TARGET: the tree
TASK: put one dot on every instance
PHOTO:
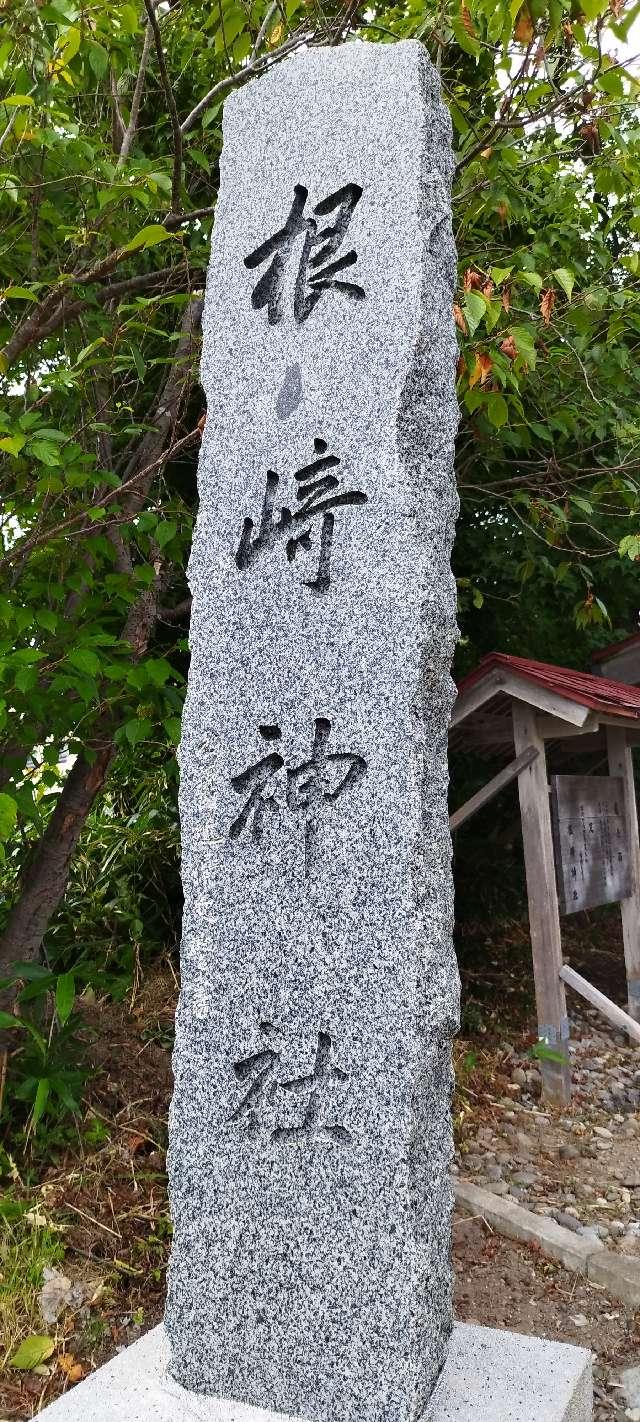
(110, 139)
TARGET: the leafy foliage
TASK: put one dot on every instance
(110, 138)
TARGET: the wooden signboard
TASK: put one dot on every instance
(593, 862)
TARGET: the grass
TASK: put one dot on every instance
(26, 1248)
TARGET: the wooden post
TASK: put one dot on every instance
(621, 763)
(544, 916)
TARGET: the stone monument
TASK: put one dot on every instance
(310, 1130)
(310, 1127)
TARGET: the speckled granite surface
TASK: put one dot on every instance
(310, 1127)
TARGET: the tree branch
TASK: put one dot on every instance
(248, 71)
(129, 132)
(262, 31)
(54, 309)
(176, 183)
(168, 407)
(175, 614)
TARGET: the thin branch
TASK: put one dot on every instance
(174, 277)
(7, 132)
(248, 71)
(262, 31)
(177, 219)
(118, 121)
(136, 100)
(21, 550)
(171, 103)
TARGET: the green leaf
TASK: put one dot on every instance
(532, 279)
(13, 444)
(17, 293)
(498, 410)
(148, 237)
(158, 670)
(71, 45)
(33, 1351)
(98, 59)
(65, 996)
(629, 546)
(139, 362)
(524, 337)
(172, 728)
(8, 816)
(17, 101)
(84, 661)
(41, 1098)
(566, 280)
(129, 18)
(165, 532)
(45, 452)
(136, 731)
(474, 307)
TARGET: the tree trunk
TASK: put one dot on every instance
(46, 873)
(45, 876)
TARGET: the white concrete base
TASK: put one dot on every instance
(490, 1376)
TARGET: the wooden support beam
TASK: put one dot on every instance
(553, 729)
(621, 763)
(598, 999)
(544, 916)
(492, 787)
(530, 692)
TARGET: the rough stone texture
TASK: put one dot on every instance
(310, 1129)
(489, 1376)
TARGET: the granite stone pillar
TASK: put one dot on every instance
(310, 1127)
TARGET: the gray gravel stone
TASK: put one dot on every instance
(310, 1127)
(568, 1221)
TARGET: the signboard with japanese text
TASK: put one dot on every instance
(593, 864)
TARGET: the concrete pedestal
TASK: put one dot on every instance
(492, 1375)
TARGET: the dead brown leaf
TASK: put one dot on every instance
(481, 370)
(467, 22)
(459, 318)
(523, 31)
(506, 298)
(509, 348)
(472, 281)
(134, 1142)
(547, 303)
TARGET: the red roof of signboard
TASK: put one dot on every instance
(614, 698)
